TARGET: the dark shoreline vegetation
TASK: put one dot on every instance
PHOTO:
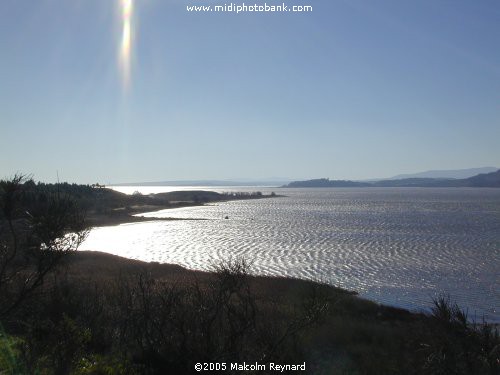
(69, 312)
(103, 206)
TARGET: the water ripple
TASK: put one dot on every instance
(396, 246)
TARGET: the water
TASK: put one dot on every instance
(399, 246)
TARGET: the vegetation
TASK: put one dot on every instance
(67, 312)
(37, 229)
(103, 206)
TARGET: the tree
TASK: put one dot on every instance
(37, 229)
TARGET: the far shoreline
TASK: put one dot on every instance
(129, 214)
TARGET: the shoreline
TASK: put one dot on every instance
(113, 265)
(131, 214)
(108, 221)
(108, 266)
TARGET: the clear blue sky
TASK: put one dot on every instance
(356, 89)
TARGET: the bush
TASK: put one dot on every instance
(37, 229)
(455, 345)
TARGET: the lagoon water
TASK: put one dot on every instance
(399, 246)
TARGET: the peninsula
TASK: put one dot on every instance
(104, 206)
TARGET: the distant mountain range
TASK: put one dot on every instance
(445, 178)
(454, 173)
(481, 180)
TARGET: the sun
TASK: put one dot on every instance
(127, 8)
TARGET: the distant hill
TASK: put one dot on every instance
(454, 173)
(416, 182)
(481, 180)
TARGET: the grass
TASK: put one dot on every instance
(101, 314)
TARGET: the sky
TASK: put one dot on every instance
(355, 89)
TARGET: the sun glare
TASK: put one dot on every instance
(127, 8)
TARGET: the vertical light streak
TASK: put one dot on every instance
(127, 8)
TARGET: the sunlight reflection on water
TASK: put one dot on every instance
(397, 246)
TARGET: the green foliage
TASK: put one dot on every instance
(105, 365)
(10, 361)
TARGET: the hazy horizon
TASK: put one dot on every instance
(253, 181)
(144, 90)
(242, 180)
